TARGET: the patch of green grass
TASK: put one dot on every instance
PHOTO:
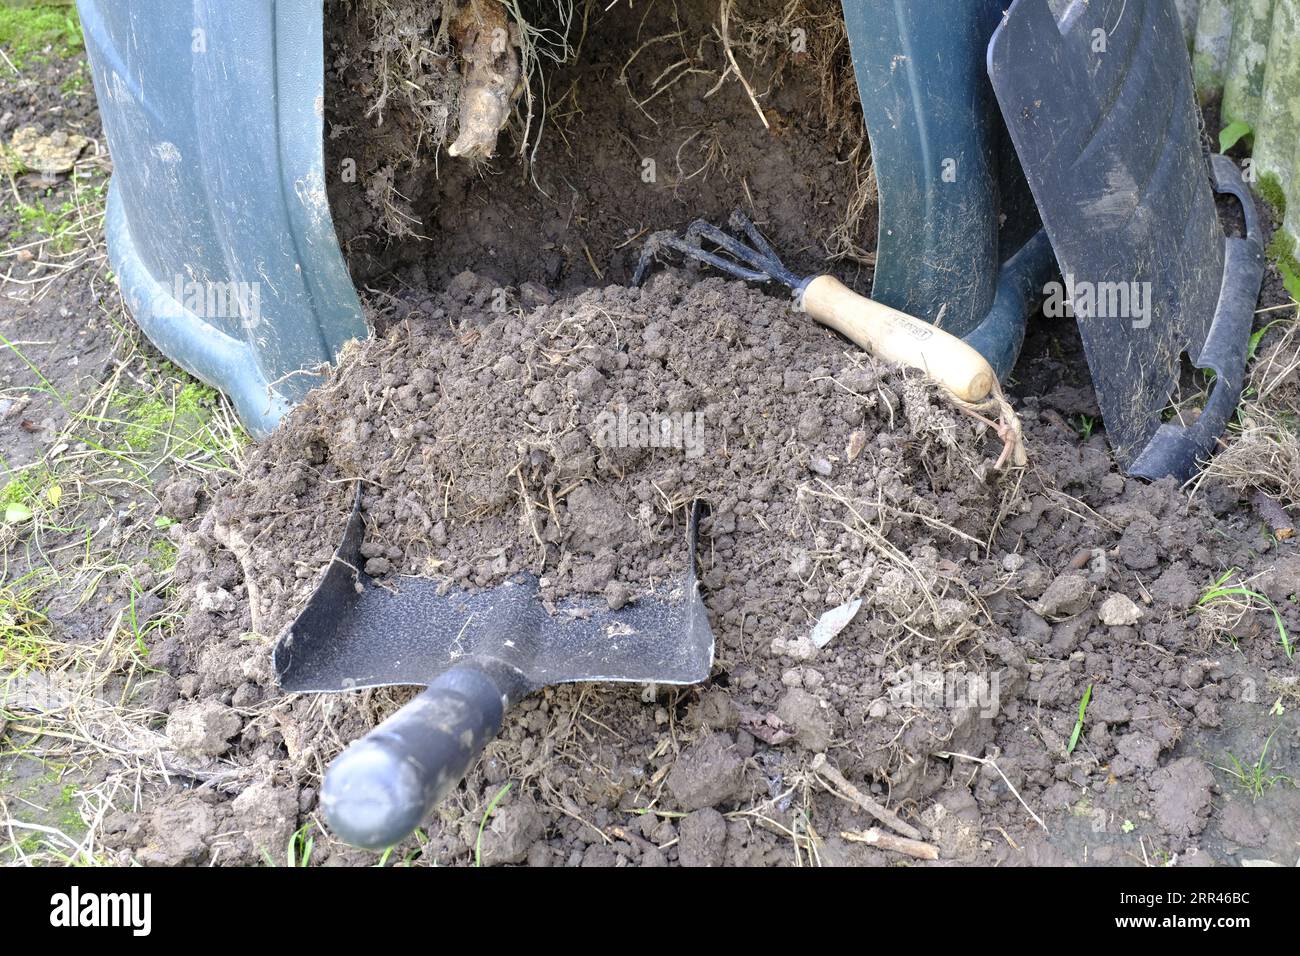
(162, 556)
(409, 860)
(140, 630)
(1084, 425)
(32, 494)
(15, 492)
(298, 852)
(24, 628)
(167, 418)
(154, 418)
(482, 824)
(29, 486)
(76, 82)
(59, 223)
(45, 386)
(1221, 592)
(1078, 724)
(1256, 778)
(69, 816)
(32, 32)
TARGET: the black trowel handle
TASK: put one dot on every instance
(379, 789)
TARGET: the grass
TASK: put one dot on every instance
(1257, 778)
(1263, 452)
(141, 629)
(482, 824)
(152, 419)
(175, 417)
(162, 556)
(32, 33)
(299, 849)
(386, 858)
(1222, 594)
(1084, 425)
(48, 787)
(60, 224)
(94, 521)
(76, 82)
(1078, 724)
(24, 627)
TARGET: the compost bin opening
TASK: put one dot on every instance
(626, 121)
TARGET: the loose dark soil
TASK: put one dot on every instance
(570, 440)
(606, 170)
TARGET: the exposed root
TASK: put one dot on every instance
(724, 21)
(491, 81)
(996, 412)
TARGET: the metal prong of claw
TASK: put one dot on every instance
(757, 263)
(653, 244)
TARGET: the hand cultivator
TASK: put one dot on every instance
(965, 375)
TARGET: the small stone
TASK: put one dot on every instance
(801, 564)
(202, 729)
(179, 498)
(617, 594)
(212, 599)
(1118, 610)
(51, 155)
(1067, 595)
(813, 724)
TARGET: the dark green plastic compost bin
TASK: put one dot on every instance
(218, 226)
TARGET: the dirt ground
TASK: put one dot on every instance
(1002, 614)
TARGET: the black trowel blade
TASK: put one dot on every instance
(357, 632)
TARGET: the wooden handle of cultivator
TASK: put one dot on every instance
(899, 337)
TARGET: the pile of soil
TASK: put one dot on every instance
(571, 439)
